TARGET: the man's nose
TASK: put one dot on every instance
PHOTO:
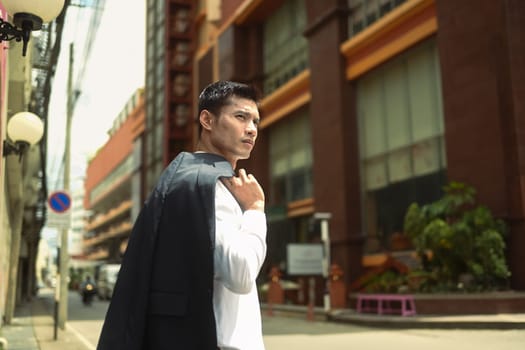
(251, 129)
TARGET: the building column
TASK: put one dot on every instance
(483, 79)
(334, 133)
(513, 115)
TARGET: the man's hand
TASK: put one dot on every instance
(246, 190)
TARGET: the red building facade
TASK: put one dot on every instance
(371, 105)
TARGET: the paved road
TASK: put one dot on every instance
(283, 333)
(287, 334)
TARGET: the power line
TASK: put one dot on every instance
(94, 9)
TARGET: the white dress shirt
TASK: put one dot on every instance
(240, 249)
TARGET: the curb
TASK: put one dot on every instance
(495, 322)
(485, 321)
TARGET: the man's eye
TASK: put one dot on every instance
(240, 116)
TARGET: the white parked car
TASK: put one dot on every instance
(107, 276)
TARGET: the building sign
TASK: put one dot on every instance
(305, 259)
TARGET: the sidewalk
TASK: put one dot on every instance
(496, 321)
(32, 328)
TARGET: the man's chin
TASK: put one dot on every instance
(244, 155)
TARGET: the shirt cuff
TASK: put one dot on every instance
(254, 221)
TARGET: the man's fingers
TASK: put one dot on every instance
(242, 178)
(242, 174)
(246, 190)
(246, 177)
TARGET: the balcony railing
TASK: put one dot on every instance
(114, 231)
(98, 255)
(111, 214)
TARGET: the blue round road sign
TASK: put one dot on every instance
(59, 202)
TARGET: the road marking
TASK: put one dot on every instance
(81, 337)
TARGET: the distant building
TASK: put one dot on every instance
(76, 232)
(108, 186)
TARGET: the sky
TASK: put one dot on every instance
(114, 70)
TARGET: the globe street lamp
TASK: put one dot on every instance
(24, 129)
(28, 15)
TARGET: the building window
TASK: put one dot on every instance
(285, 49)
(160, 41)
(159, 73)
(160, 9)
(151, 50)
(159, 140)
(401, 136)
(291, 159)
(363, 13)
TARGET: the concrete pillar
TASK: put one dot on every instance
(333, 121)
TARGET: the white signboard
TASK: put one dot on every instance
(58, 220)
(305, 259)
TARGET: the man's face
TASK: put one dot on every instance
(233, 133)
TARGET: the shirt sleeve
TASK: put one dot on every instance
(240, 242)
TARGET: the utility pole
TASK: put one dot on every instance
(64, 257)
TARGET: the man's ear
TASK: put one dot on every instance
(206, 119)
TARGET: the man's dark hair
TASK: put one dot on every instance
(218, 94)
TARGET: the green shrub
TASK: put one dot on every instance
(454, 237)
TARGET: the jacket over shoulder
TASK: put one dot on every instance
(164, 292)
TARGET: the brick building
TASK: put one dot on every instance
(370, 105)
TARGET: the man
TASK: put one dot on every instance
(187, 279)
(88, 290)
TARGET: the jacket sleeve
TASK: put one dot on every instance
(240, 242)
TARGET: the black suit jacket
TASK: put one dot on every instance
(163, 298)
